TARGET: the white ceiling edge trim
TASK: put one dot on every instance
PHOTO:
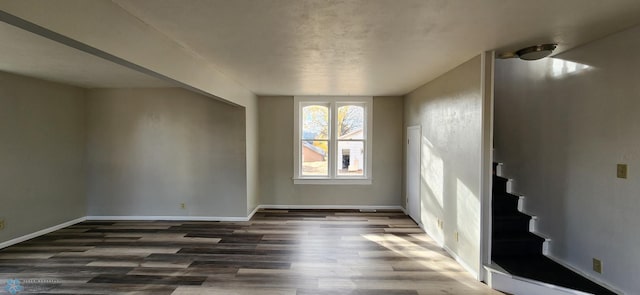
(105, 29)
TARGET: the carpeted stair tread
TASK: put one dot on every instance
(508, 225)
(507, 196)
(519, 236)
(499, 184)
(504, 212)
(511, 216)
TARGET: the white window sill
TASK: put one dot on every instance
(325, 181)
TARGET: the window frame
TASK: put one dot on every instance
(334, 102)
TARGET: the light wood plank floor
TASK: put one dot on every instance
(285, 252)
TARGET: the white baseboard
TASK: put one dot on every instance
(234, 218)
(40, 232)
(336, 207)
(500, 280)
(584, 274)
(253, 212)
(189, 218)
(435, 238)
(468, 268)
(455, 256)
(171, 218)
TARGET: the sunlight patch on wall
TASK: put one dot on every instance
(468, 218)
(432, 171)
(560, 68)
(429, 221)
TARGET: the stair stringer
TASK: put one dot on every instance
(499, 279)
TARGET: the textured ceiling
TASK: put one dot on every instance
(368, 47)
(27, 54)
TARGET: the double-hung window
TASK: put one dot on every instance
(332, 140)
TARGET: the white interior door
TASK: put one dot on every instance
(413, 173)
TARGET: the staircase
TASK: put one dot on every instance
(520, 252)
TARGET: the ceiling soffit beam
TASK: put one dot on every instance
(104, 29)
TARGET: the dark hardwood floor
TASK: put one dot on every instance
(277, 252)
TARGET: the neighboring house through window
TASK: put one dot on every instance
(332, 140)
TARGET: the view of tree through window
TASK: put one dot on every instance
(315, 140)
(350, 119)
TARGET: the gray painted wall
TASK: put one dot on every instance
(276, 159)
(149, 150)
(449, 109)
(42, 134)
(560, 131)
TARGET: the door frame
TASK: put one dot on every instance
(418, 220)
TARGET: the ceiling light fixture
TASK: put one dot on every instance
(535, 52)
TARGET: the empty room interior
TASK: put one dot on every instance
(365, 147)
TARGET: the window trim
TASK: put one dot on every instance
(334, 102)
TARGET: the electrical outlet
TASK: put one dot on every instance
(457, 237)
(597, 265)
(183, 206)
(1, 224)
(622, 171)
